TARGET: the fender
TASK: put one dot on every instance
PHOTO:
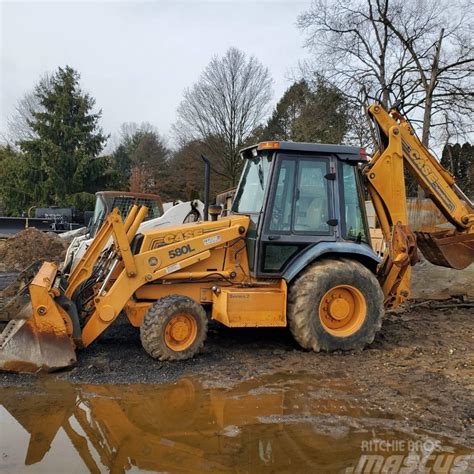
(323, 248)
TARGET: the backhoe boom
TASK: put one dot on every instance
(399, 147)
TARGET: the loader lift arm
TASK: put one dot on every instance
(398, 148)
(127, 272)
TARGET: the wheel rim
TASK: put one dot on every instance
(180, 332)
(342, 310)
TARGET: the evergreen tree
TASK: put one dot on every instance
(14, 194)
(123, 164)
(61, 158)
(141, 160)
(289, 109)
(309, 112)
(149, 165)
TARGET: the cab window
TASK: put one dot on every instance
(312, 204)
(251, 190)
(354, 220)
(301, 203)
(283, 203)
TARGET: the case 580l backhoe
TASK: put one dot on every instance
(295, 252)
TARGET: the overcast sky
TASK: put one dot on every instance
(136, 58)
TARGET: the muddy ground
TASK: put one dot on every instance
(418, 369)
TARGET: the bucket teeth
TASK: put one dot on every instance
(14, 308)
(10, 330)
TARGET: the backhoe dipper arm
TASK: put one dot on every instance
(399, 147)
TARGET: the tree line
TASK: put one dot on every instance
(361, 50)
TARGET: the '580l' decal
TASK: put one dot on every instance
(180, 251)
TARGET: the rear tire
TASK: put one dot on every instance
(174, 328)
(335, 305)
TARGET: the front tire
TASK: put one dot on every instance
(174, 328)
(335, 305)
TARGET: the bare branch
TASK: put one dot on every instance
(228, 102)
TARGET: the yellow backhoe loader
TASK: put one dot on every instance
(295, 251)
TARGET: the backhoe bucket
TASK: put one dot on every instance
(37, 331)
(447, 248)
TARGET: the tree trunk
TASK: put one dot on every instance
(425, 136)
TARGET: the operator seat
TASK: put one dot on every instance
(316, 218)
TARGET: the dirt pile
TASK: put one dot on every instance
(29, 245)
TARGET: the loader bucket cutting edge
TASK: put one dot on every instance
(38, 336)
(447, 248)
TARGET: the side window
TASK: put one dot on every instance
(355, 228)
(276, 256)
(312, 204)
(283, 202)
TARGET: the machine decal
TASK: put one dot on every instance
(173, 268)
(175, 237)
(177, 252)
(414, 157)
(211, 240)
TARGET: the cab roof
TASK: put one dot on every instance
(344, 152)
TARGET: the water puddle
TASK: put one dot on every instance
(279, 423)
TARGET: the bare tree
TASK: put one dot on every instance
(18, 124)
(438, 37)
(371, 47)
(129, 129)
(353, 49)
(223, 108)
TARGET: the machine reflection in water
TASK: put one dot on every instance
(279, 422)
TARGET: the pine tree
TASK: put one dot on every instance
(142, 159)
(149, 163)
(14, 197)
(288, 110)
(309, 112)
(62, 156)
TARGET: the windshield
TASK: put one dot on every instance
(249, 197)
(98, 217)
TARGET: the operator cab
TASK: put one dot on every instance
(299, 195)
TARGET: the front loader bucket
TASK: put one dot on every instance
(447, 248)
(37, 331)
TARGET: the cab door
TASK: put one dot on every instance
(300, 210)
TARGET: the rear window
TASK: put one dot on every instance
(124, 203)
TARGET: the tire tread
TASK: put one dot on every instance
(312, 281)
(155, 320)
